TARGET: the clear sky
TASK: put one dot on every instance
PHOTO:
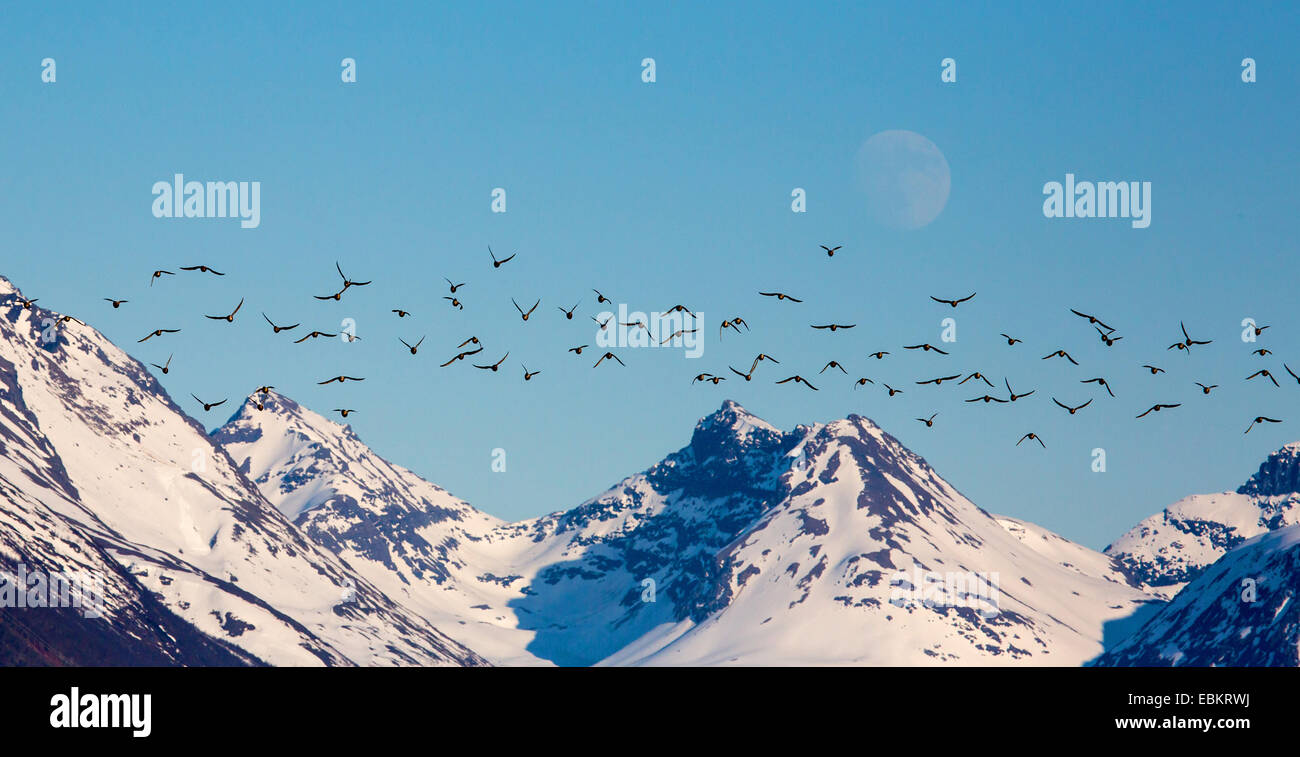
(679, 191)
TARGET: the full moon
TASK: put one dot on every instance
(905, 177)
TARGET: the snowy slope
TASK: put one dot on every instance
(1242, 610)
(761, 545)
(816, 580)
(116, 460)
(1173, 546)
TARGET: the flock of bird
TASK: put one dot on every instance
(471, 347)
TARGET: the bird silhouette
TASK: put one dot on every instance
(1154, 370)
(578, 350)
(1260, 419)
(412, 347)
(1262, 352)
(929, 422)
(975, 375)
(165, 367)
(1074, 409)
(862, 382)
(611, 356)
(925, 348)
(202, 269)
(208, 405)
(798, 380)
(157, 332)
(471, 340)
(278, 329)
(602, 325)
(879, 355)
(834, 364)
(347, 283)
(892, 391)
(1205, 389)
(456, 303)
(1189, 342)
(461, 356)
(677, 333)
(1263, 372)
(116, 303)
(568, 313)
(340, 379)
(528, 375)
(953, 303)
(1032, 435)
(1092, 319)
(1011, 340)
(521, 310)
(830, 251)
(227, 318)
(1158, 407)
(1059, 353)
(780, 296)
(940, 380)
(156, 275)
(498, 263)
(710, 378)
(1107, 338)
(1100, 381)
(313, 335)
(679, 309)
(986, 399)
(344, 411)
(1288, 370)
(600, 298)
(493, 366)
(835, 326)
(401, 313)
(452, 286)
(264, 389)
(1013, 396)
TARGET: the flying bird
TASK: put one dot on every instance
(602, 325)
(953, 303)
(1260, 419)
(834, 364)
(521, 310)
(346, 281)
(344, 411)
(227, 318)
(925, 347)
(1100, 381)
(401, 313)
(278, 329)
(710, 378)
(892, 391)
(975, 375)
(1072, 410)
(498, 263)
(454, 302)
(1032, 435)
(1158, 407)
(1154, 370)
(471, 340)
(780, 296)
(336, 296)
(1011, 340)
(862, 382)
(830, 251)
(677, 333)
(313, 335)
(1205, 389)
(1107, 338)
(1288, 370)
(528, 376)
(1092, 319)
(208, 405)
(165, 367)
(879, 355)
(412, 347)
(568, 313)
(610, 355)
(156, 275)
(929, 422)
(202, 269)
(454, 287)
(600, 298)
(1015, 396)
(578, 350)
(157, 332)
(986, 399)
(461, 356)
(116, 303)
(340, 379)
(835, 326)
(798, 380)
(1262, 352)
(493, 366)
(1059, 353)
(1263, 372)
(940, 380)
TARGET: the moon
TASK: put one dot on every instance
(905, 177)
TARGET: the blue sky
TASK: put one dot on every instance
(679, 191)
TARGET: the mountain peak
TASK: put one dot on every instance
(1279, 475)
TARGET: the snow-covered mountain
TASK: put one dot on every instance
(1242, 610)
(1176, 545)
(750, 545)
(100, 470)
